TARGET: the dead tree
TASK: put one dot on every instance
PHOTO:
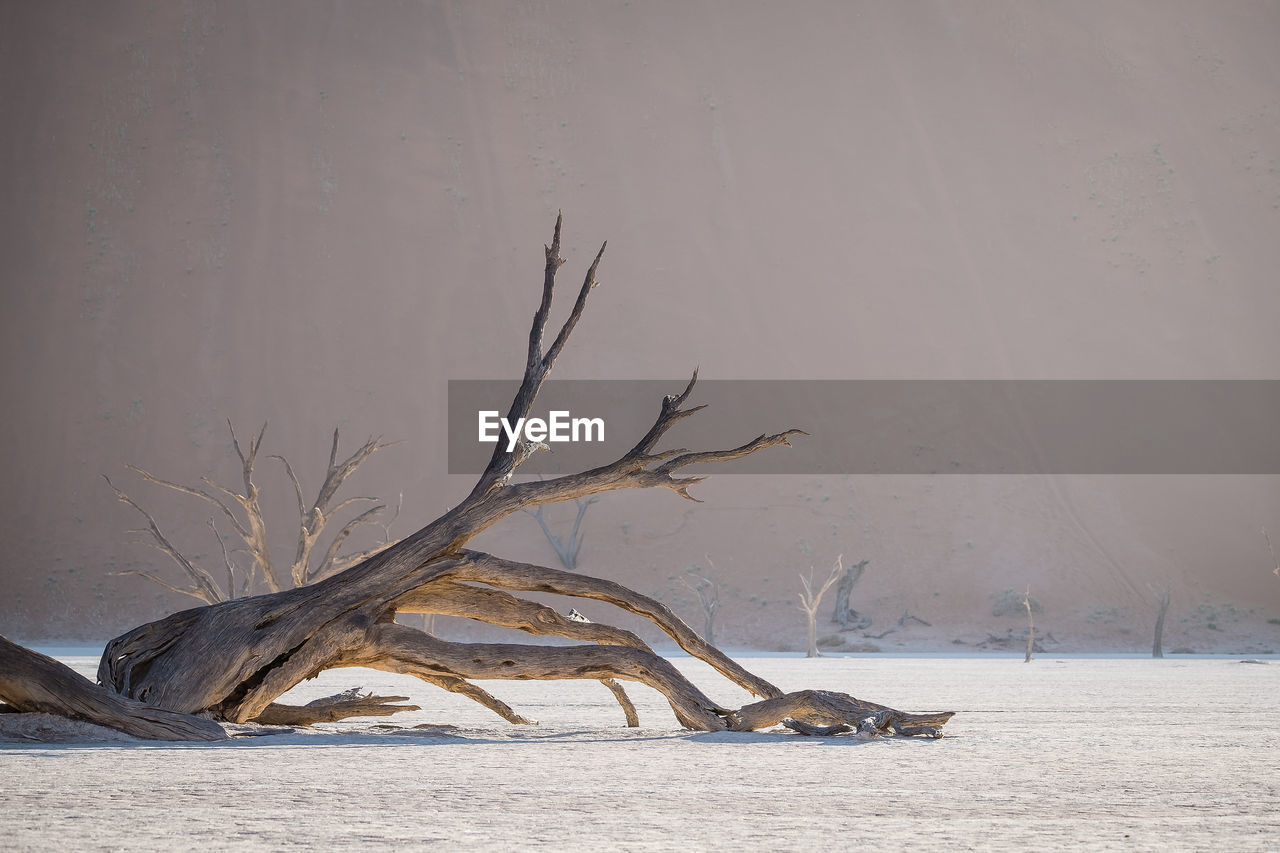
(1162, 606)
(251, 526)
(708, 591)
(847, 618)
(811, 601)
(232, 659)
(1031, 626)
(1274, 559)
(568, 550)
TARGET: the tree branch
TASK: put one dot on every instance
(538, 364)
(396, 645)
(506, 574)
(205, 589)
(312, 521)
(329, 564)
(198, 493)
(330, 709)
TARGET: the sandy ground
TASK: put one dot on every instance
(1064, 753)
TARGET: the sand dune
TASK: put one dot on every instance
(318, 213)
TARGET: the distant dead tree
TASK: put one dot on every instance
(810, 601)
(848, 618)
(707, 588)
(251, 526)
(568, 550)
(1274, 559)
(1162, 606)
(1031, 626)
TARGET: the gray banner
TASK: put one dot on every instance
(900, 427)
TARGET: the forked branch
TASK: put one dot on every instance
(313, 519)
(810, 601)
(250, 525)
(203, 586)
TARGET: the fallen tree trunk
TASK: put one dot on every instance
(232, 659)
(34, 683)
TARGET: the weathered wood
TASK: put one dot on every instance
(629, 709)
(396, 648)
(32, 682)
(330, 709)
(448, 598)
(233, 659)
(824, 712)
(508, 574)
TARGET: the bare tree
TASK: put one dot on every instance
(1031, 626)
(848, 618)
(251, 527)
(811, 601)
(707, 588)
(1162, 605)
(568, 550)
(232, 659)
(1274, 559)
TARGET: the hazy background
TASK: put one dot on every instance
(317, 213)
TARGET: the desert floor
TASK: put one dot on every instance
(1064, 752)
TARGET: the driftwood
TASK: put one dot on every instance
(33, 683)
(823, 712)
(350, 703)
(232, 659)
